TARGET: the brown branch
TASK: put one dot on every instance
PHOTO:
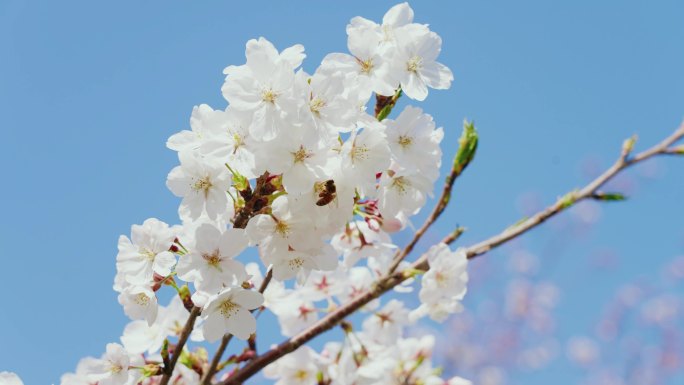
(227, 337)
(395, 278)
(178, 349)
(254, 200)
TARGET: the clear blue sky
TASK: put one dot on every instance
(89, 92)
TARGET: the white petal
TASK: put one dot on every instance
(398, 15)
(242, 324)
(163, 263)
(437, 75)
(213, 327)
(249, 299)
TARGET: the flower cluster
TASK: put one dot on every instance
(405, 361)
(298, 169)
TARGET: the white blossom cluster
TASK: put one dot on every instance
(365, 357)
(297, 168)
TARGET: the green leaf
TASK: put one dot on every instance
(240, 182)
(610, 197)
(151, 370)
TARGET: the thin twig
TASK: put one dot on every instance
(395, 278)
(227, 337)
(178, 349)
(574, 196)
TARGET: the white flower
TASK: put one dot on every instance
(139, 337)
(414, 65)
(203, 120)
(385, 325)
(9, 378)
(139, 302)
(297, 368)
(359, 241)
(292, 263)
(402, 192)
(229, 312)
(328, 105)
(414, 142)
(443, 286)
(146, 253)
(366, 154)
(294, 313)
(359, 280)
(231, 143)
(323, 285)
(438, 311)
(300, 157)
(82, 374)
(366, 62)
(211, 263)
(396, 17)
(263, 86)
(288, 226)
(203, 187)
(112, 368)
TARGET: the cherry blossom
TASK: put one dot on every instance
(263, 86)
(228, 312)
(415, 66)
(146, 253)
(112, 368)
(443, 286)
(387, 324)
(139, 302)
(211, 262)
(202, 186)
(297, 368)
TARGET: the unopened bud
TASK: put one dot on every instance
(628, 145)
(165, 351)
(158, 281)
(184, 294)
(467, 146)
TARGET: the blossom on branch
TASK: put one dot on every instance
(228, 312)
